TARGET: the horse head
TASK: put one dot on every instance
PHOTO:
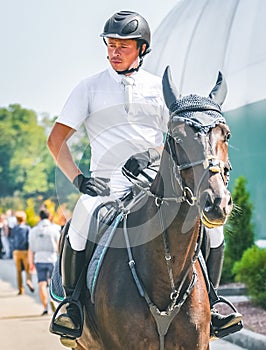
(197, 143)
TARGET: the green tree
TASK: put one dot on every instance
(239, 230)
(25, 161)
(251, 270)
(27, 169)
(7, 148)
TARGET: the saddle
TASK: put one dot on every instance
(102, 219)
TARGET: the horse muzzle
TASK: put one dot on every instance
(215, 209)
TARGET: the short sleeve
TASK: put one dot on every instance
(76, 108)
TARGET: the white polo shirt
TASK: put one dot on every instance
(114, 133)
(43, 240)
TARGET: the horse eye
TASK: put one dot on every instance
(227, 168)
(196, 136)
(227, 137)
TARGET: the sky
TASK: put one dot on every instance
(48, 46)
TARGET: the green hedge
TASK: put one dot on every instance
(251, 270)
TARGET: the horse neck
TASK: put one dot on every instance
(151, 257)
(180, 218)
(179, 224)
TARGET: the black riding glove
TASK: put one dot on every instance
(93, 186)
(139, 161)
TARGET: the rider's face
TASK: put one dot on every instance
(123, 53)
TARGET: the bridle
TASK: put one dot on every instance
(210, 163)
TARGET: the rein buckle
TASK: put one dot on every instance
(189, 196)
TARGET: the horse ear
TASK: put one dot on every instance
(169, 89)
(219, 91)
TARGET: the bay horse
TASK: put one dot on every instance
(151, 293)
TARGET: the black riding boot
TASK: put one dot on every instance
(68, 318)
(214, 265)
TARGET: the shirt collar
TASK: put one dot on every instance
(45, 222)
(118, 77)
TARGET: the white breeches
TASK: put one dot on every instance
(80, 222)
(216, 236)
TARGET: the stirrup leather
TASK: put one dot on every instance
(65, 331)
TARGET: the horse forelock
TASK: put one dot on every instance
(199, 112)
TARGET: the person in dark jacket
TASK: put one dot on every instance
(20, 237)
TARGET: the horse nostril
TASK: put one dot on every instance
(217, 201)
(210, 204)
(206, 202)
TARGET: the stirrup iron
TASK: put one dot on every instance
(65, 331)
(223, 332)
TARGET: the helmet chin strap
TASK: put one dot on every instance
(131, 70)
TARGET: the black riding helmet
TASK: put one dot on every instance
(129, 25)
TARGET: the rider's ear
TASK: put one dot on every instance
(143, 48)
(219, 91)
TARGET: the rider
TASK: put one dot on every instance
(125, 116)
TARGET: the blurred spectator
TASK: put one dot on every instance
(43, 244)
(20, 238)
(1, 245)
(4, 237)
(11, 223)
(4, 245)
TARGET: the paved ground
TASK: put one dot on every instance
(21, 325)
(224, 345)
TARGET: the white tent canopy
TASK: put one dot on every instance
(200, 37)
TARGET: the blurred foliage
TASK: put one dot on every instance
(251, 270)
(25, 161)
(28, 175)
(32, 217)
(239, 230)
